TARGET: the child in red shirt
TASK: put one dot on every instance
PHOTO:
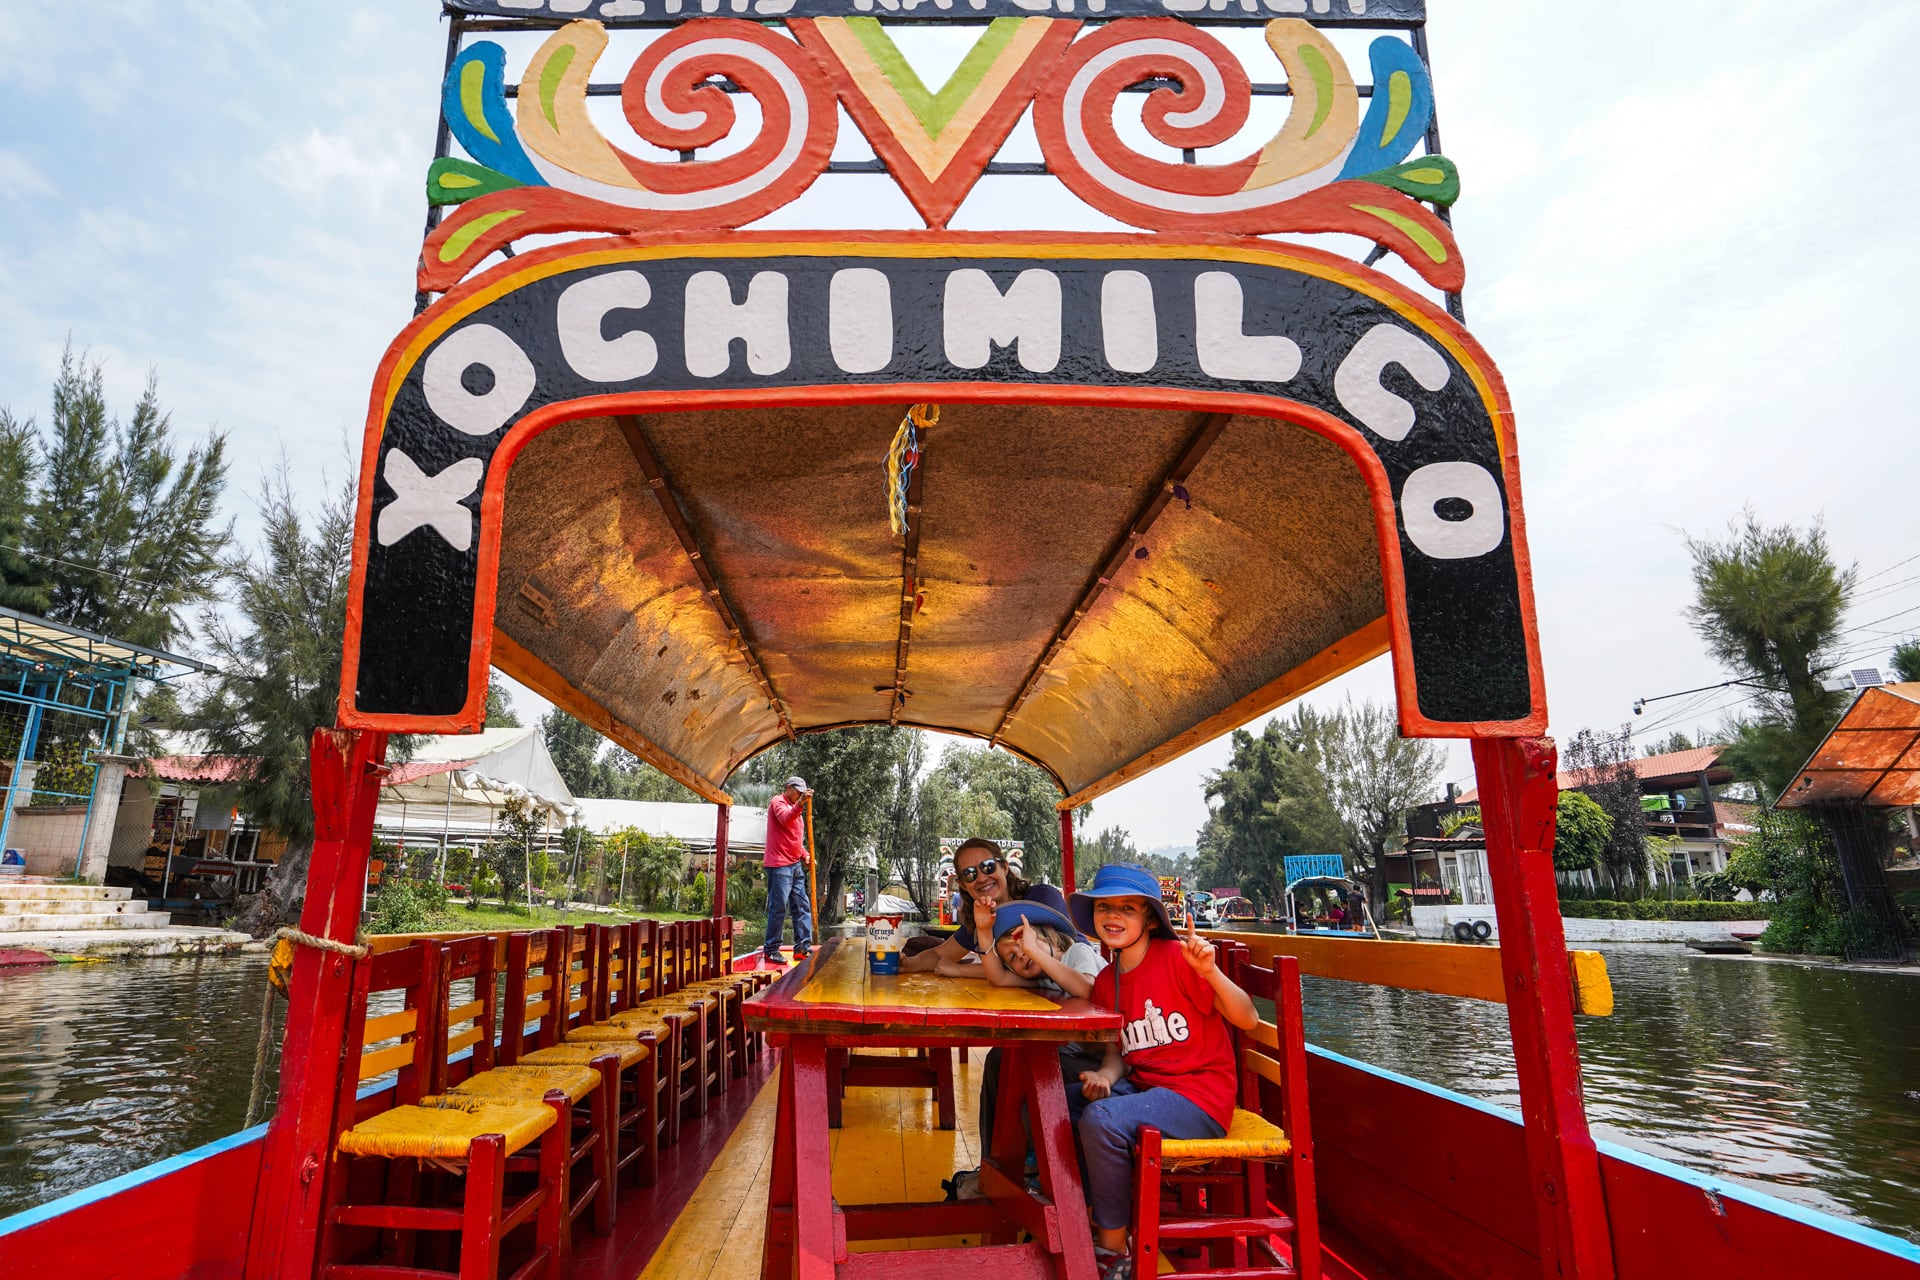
(1174, 1067)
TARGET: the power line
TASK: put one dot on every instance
(1890, 568)
(90, 568)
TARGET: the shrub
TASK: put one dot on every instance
(64, 776)
(1660, 909)
(402, 906)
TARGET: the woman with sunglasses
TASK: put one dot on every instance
(986, 882)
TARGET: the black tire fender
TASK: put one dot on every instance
(1482, 931)
(1462, 931)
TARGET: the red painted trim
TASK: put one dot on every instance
(543, 262)
(346, 769)
(1518, 790)
(720, 862)
(1066, 849)
(182, 1224)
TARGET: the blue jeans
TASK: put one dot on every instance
(1107, 1130)
(787, 892)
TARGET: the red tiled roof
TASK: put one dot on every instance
(1666, 765)
(200, 769)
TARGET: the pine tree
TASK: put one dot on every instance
(122, 536)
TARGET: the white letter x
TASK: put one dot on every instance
(421, 499)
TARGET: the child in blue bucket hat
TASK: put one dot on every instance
(1174, 1067)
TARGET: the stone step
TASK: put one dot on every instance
(11, 889)
(71, 906)
(69, 921)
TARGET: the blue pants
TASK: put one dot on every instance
(787, 892)
(1107, 1130)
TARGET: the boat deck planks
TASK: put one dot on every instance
(889, 1150)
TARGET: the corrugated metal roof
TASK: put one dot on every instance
(1872, 757)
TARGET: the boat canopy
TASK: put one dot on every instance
(1260, 582)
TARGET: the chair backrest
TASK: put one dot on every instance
(643, 973)
(576, 975)
(612, 961)
(690, 950)
(529, 1015)
(1275, 1051)
(703, 950)
(723, 945)
(469, 1025)
(667, 948)
(399, 1040)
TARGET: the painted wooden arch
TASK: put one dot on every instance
(1226, 325)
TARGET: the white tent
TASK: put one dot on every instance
(691, 824)
(456, 784)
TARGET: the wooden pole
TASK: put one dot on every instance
(813, 888)
(346, 768)
(720, 861)
(1066, 849)
(1518, 793)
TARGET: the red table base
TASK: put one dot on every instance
(807, 1233)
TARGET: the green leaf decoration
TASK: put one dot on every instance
(451, 180)
(1429, 178)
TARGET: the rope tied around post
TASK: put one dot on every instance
(279, 969)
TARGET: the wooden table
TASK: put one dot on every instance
(831, 1001)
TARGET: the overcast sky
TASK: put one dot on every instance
(1685, 228)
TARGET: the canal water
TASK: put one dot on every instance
(1801, 1082)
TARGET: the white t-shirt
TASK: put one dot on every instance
(1082, 958)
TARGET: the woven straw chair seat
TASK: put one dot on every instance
(1249, 1137)
(444, 1127)
(651, 1015)
(581, 1055)
(530, 1082)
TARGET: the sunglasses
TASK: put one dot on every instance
(984, 867)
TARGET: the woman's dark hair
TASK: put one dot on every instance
(1017, 885)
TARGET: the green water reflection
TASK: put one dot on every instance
(1801, 1082)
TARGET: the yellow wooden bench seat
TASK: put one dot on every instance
(1249, 1137)
(530, 1083)
(443, 1127)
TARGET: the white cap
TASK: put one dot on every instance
(797, 781)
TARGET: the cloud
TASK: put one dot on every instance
(20, 177)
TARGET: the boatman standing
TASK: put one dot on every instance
(786, 863)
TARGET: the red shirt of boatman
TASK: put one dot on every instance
(786, 829)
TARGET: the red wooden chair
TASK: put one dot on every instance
(468, 1067)
(683, 1076)
(728, 990)
(374, 1218)
(679, 952)
(1209, 1203)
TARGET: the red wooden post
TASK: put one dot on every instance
(720, 863)
(1518, 793)
(1066, 849)
(346, 768)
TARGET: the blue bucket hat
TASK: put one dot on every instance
(1012, 915)
(1119, 880)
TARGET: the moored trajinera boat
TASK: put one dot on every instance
(1093, 498)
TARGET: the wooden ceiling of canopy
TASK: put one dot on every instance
(1098, 590)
